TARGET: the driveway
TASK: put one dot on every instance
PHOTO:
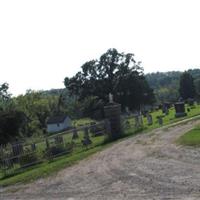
(148, 166)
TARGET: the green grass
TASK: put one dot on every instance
(47, 168)
(83, 121)
(191, 138)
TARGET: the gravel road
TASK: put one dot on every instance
(148, 166)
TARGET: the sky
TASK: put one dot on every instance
(43, 41)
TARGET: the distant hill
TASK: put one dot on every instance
(166, 84)
(54, 92)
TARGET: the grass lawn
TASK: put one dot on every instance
(46, 168)
(191, 138)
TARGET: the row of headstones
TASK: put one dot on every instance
(139, 120)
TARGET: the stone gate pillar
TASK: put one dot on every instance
(112, 112)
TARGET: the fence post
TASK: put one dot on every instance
(47, 143)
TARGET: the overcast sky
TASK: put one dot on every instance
(41, 42)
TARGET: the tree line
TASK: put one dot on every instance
(86, 93)
(170, 86)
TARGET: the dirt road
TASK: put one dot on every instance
(148, 166)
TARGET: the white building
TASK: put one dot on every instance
(58, 123)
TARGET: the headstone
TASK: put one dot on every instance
(75, 134)
(58, 140)
(149, 119)
(165, 108)
(137, 123)
(180, 109)
(140, 120)
(190, 102)
(127, 111)
(33, 147)
(110, 98)
(86, 139)
(160, 120)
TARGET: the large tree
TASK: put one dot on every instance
(186, 87)
(12, 120)
(116, 73)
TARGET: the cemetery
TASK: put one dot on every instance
(19, 158)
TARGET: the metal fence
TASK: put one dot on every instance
(21, 155)
(16, 157)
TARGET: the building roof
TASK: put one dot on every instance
(56, 119)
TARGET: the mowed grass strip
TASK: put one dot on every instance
(191, 138)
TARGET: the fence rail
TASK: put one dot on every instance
(18, 156)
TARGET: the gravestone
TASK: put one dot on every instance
(190, 102)
(180, 109)
(137, 123)
(165, 108)
(149, 119)
(33, 147)
(75, 134)
(127, 110)
(58, 140)
(140, 120)
(86, 139)
(160, 120)
(112, 112)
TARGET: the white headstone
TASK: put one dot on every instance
(110, 98)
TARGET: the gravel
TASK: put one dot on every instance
(148, 166)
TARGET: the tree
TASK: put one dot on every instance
(38, 108)
(12, 122)
(4, 95)
(197, 87)
(116, 73)
(186, 87)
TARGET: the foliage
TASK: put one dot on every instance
(12, 122)
(37, 108)
(166, 84)
(12, 119)
(187, 88)
(4, 95)
(116, 73)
